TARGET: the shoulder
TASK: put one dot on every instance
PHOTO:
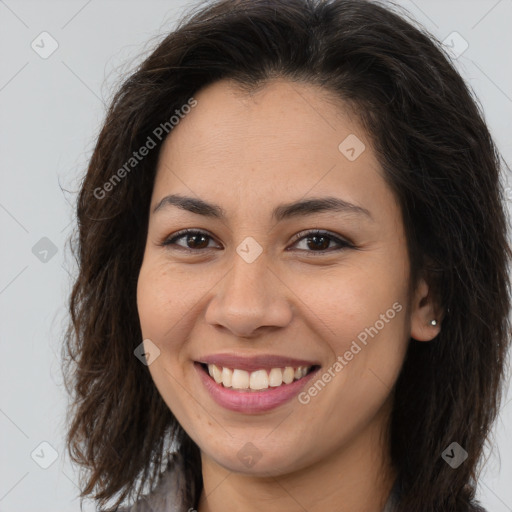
(168, 495)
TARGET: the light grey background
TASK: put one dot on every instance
(50, 112)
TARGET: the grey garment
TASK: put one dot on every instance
(168, 495)
(392, 503)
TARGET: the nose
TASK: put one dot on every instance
(250, 299)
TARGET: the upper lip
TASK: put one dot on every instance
(253, 363)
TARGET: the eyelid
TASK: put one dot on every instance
(344, 242)
(167, 241)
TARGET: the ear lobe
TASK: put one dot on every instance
(423, 311)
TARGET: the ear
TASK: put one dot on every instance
(423, 310)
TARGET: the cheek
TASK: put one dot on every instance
(346, 300)
(148, 307)
(162, 298)
(364, 311)
(161, 310)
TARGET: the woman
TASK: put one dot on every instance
(292, 289)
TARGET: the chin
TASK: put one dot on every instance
(257, 459)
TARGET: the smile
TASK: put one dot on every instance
(253, 385)
(256, 380)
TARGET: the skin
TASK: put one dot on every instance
(249, 154)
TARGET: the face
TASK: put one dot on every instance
(307, 305)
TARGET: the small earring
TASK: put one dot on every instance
(433, 322)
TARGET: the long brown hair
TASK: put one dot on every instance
(439, 159)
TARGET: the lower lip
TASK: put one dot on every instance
(252, 402)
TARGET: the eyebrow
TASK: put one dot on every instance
(295, 209)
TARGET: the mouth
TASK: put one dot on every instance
(261, 384)
(262, 379)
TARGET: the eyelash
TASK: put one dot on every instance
(344, 244)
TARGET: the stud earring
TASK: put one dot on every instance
(433, 322)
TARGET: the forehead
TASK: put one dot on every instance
(280, 113)
(287, 139)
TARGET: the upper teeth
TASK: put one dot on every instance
(260, 379)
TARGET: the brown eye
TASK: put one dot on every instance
(319, 241)
(193, 240)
